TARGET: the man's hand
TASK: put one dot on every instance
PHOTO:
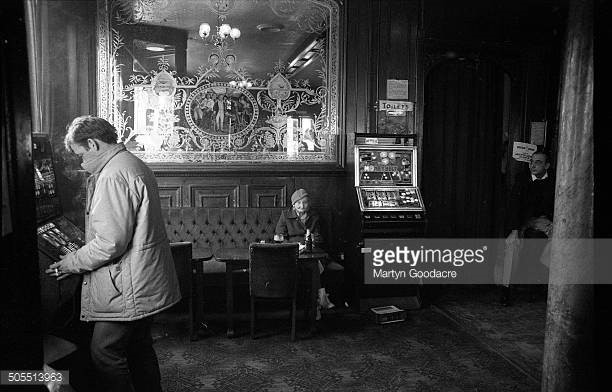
(543, 224)
(60, 270)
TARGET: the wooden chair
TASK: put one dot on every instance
(181, 253)
(273, 275)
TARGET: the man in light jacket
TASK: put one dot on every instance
(128, 270)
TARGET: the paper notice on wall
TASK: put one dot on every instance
(538, 132)
(522, 151)
(397, 89)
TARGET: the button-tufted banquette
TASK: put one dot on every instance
(216, 228)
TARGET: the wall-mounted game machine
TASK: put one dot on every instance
(386, 181)
(57, 236)
(390, 202)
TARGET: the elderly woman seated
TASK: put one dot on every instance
(294, 224)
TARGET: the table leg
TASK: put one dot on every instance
(197, 305)
(229, 298)
(314, 289)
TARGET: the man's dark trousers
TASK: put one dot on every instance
(123, 356)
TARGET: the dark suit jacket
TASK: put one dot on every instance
(531, 199)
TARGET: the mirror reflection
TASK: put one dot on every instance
(228, 80)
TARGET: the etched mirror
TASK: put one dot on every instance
(194, 81)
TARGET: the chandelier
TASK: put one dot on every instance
(222, 40)
(224, 36)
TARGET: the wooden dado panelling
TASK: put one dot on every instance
(214, 193)
(266, 191)
(170, 196)
(225, 191)
(266, 195)
(215, 196)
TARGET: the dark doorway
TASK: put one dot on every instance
(463, 149)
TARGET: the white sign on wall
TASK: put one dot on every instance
(406, 106)
(522, 151)
(538, 132)
(397, 89)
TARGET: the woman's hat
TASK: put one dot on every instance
(298, 195)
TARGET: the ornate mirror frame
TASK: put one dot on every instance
(267, 135)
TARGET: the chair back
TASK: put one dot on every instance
(273, 270)
(181, 253)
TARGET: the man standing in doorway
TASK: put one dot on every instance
(532, 208)
(128, 270)
(533, 199)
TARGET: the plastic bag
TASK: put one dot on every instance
(545, 257)
(511, 255)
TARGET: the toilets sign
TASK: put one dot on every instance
(388, 106)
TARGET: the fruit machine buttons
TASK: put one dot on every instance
(365, 157)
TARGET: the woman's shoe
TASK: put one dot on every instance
(324, 301)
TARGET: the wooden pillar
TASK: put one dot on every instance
(568, 346)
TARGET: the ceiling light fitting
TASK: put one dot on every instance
(222, 40)
(221, 37)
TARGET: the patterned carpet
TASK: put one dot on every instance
(428, 352)
(515, 332)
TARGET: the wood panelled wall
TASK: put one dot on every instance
(381, 44)
(21, 342)
(522, 41)
(394, 56)
(238, 189)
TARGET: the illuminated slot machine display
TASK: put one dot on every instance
(57, 236)
(386, 182)
(390, 202)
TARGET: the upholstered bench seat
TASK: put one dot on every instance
(214, 228)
